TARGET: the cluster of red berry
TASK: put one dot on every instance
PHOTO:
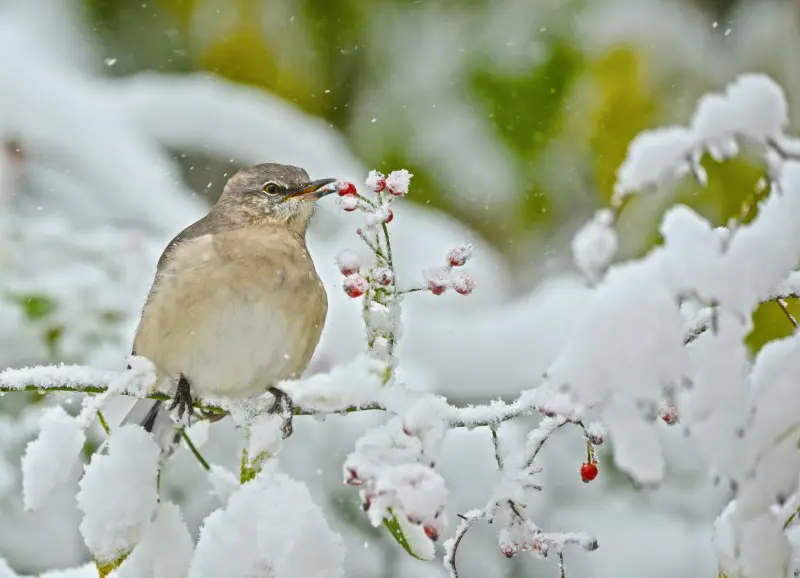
(441, 278)
(394, 185)
(349, 196)
(432, 529)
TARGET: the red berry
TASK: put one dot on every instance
(390, 217)
(436, 288)
(431, 532)
(348, 202)
(352, 478)
(376, 181)
(463, 284)
(588, 471)
(347, 189)
(349, 262)
(539, 546)
(670, 416)
(384, 277)
(460, 255)
(508, 551)
(355, 286)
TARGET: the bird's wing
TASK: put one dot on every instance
(201, 227)
(197, 229)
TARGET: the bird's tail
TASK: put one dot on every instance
(155, 419)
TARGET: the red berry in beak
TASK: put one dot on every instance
(347, 189)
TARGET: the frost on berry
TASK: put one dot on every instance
(437, 280)
(384, 276)
(595, 433)
(670, 415)
(460, 255)
(589, 471)
(376, 181)
(394, 477)
(348, 202)
(522, 537)
(346, 189)
(551, 402)
(463, 283)
(380, 215)
(431, 532)
(348, 262)
(355, 286)
(508, 550)
(398, 182)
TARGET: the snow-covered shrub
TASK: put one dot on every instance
(659, 341)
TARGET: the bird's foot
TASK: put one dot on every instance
(283, 404)
(183, 400)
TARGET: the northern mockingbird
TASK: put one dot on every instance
(236, 305)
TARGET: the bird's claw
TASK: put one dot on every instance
(283, 404)
(183, 400)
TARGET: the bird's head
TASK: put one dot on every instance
(271, 193)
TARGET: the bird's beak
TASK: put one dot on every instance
(311, 191)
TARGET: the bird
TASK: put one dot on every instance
(236, 305)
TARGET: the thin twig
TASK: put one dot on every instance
(451, 547)
(785, 308)
(411, 290)
(388, 246)
(365, 200)
(194, 449)
(374, 248)
(540, 445)
(561, 570)
(782, 152)
(791, 518)
(103, 422)
(496, 443)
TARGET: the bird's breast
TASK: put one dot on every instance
(234, 319)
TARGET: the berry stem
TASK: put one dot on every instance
(411, 290)
(388, 247)
(366, 201)
(374, 248)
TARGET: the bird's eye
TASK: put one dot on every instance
(272, 188)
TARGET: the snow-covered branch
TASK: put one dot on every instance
(661, 341)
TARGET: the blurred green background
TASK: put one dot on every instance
(513, 115)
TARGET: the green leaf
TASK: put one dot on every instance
(400, 529)
(248, 472)
(35, 306)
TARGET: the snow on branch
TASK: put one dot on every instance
(660, 342)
